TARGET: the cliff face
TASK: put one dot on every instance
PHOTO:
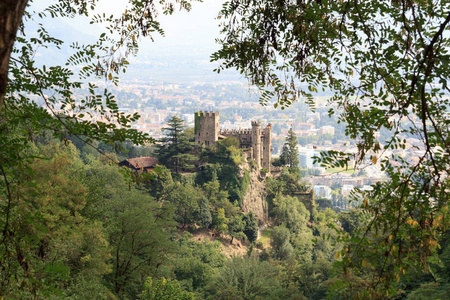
(255, 197)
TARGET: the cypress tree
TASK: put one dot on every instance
(289, 153)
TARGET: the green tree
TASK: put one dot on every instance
(220, 222)
(139, 228)
(196, 262)
(350, 220)
(281, 246)
(185, 199)
(49, 244)
(292, 181)
(312, 278)
(204, 216)
(386, 64)
(251, 227)
(289, 152)
(164, 289)
(174, 147)
(236, 228)
(229, 149)
(140, 237)
(160, 183)
(244, 278)
(291, 212)
(218, 198)
(55, 100)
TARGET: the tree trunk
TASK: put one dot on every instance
(11, 12)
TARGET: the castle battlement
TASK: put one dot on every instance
(207, 133)
(207, 114)
(235, 131)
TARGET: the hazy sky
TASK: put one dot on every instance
(186, 31)
(189, 36)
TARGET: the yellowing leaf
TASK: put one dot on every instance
(110, 76)
(374, 160)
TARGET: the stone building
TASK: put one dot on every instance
(256, 140)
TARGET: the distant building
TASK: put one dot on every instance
(346, 189)
(257, 140)
(140, 164)
(304, 126)
(367, 188)
(322, 191)
(327, 130)
(305, 159)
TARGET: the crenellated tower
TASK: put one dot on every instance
(206, 128)
(256, 142)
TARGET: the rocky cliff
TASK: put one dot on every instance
(255, 197)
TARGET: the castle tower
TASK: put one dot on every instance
(206, 128)
(267, 147)
(256, 142)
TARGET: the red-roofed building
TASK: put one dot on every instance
(142, 164)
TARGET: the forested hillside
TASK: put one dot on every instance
(79, 219)
(82, 227)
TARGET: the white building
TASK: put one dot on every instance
(322, 191)
(327, 130)
(346, 189)
(305, 158)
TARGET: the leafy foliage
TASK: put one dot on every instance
(196, 263)
(289, 152)
(46, 239)
(164, 289)
(244, 278)
(386, 63)
(174, 147)
(251, 227)
(220, 222)
(281, 245)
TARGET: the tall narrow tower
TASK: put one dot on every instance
(206, 128)
(256, 142)
(267, 147)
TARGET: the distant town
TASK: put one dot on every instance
(157, 101)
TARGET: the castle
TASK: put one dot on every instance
(258, 141)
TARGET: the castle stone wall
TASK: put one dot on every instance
(267, 147)
(258, 141)
(206, 128)
(242, 135)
